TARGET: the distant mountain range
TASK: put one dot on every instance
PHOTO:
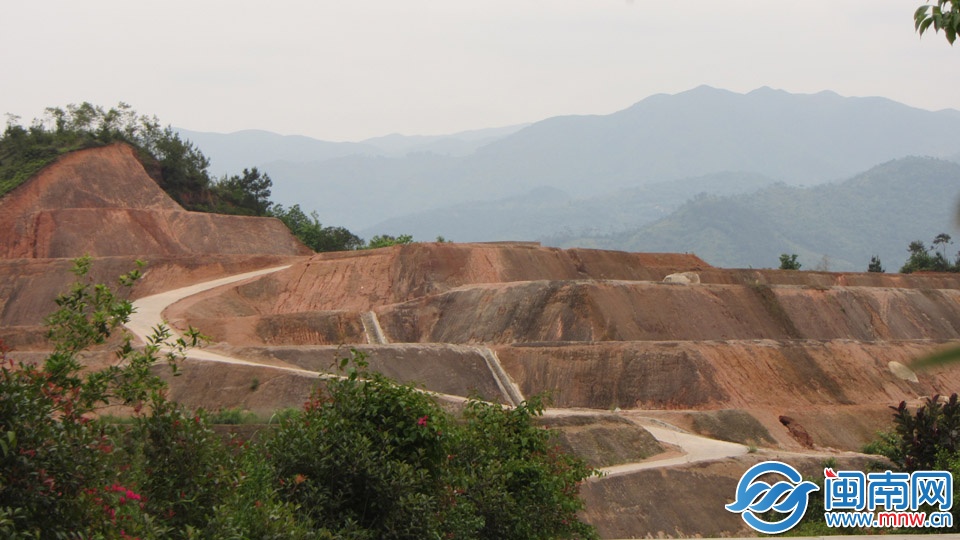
(839, 225)
(592, 178)
(547, 212)
(231, 153)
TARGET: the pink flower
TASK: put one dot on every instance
(422, 421)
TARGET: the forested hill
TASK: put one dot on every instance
(176, 165)
(878, 212)
(794, 138)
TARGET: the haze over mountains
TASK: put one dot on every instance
(878, 212)
(602, 180)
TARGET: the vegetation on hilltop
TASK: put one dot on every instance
(789, 261)
(178, 167)
(922, 259)
(312, 233)
(365, 458)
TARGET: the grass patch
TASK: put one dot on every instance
(233, 417)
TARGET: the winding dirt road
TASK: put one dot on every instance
(148, 314)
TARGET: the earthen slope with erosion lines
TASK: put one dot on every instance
(101, 201)
(602, 330)
(797, 364)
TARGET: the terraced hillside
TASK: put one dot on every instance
(798, 364)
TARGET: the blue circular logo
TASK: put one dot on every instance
(788, 497)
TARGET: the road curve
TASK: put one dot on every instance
(148, 314)
(696, 449)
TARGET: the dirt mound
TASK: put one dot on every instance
(260, 390)
(447, 369)
(101, 202)
(303, 328)
(28, 287)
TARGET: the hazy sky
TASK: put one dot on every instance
(353, 69)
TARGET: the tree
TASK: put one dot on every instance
(365, 458)
(789, 262)
(875, 265)
(942, 15)
(314, 235)
(249, 191)
(941, 242)
(61, 468)
(924, 440)
(376, 459)
(386, 240)
(921, 259)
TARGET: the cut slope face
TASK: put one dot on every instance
(602, 329)
(101, 202)
(365, 280)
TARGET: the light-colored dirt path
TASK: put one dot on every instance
(148, 314)
(696, 449)
(693, 448)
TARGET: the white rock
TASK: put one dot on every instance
(683, 278)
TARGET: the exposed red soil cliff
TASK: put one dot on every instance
(600, 329)
(732, 356)
(101, 202)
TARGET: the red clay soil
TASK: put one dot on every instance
(683, 502)
(600, 329)
(361, 281)
(101, 202)
(648, 311)
(729, 356)
(448, 369)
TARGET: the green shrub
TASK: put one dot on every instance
(232, 417)
(366, 458)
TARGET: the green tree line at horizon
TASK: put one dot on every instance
(176, 164)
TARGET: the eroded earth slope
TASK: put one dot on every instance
(795, 364)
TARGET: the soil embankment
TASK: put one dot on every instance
(784, 361)
(101, 202)
(601, 329)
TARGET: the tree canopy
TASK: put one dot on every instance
(366, 457)
(931, 259)
(314, 235)
(789, 261)
(941, 15)
(178, 167)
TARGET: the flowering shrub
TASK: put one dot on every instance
(56, 455)
(373, 459)
(366, 458)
